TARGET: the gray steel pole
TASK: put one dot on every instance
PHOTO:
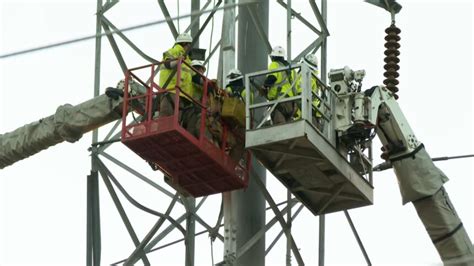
(249, 205)
(322, 222)
(288, 222)
(324, 13)
(228, 41)
(190, 231)
(191, 202)
(289, 56)
(93, 212)
(226, 63)
(322, 225)
(195, 7)
(288, 31)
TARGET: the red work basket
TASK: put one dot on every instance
(192, 165)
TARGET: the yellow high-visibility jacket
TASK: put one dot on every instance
(186, 73)
(314, 89)
(283, 82)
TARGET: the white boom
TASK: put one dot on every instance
(420, 181)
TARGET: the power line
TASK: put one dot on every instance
(387, 164)
(89, 37)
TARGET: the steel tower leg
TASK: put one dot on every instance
(249, 205)
(190, 201)
(226, 63)
(322, 221)
(190, 230)
(93, 219)
(93, 249)
(288, 193)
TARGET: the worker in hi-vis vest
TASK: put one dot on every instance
(197, 79)
(186, 106)
(235, 85)
(280, 85)
(312, 62)
(213, 105)
(235, 89)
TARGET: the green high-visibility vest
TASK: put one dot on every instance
(314, 89)
(282, 84)
(186, 73)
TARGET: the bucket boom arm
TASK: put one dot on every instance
(69, 123)
(420, 181)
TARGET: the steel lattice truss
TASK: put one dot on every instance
(103, 161)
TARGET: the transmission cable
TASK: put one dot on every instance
(131, 28)
(388, 164)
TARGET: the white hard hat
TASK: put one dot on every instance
(184, 38)
(278, 51)
(234, 74)
(311, 60)
(198, 63)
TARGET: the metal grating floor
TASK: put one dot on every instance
(193, 167)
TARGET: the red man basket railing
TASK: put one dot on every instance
(192, 165)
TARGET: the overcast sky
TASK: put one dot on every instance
(43, 198)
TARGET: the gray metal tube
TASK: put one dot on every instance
(227, 42)
(93, 244)
(289, 56)
(190, 201)
(226, 63)
(195, 7)
(322, 223)
(250, 204)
